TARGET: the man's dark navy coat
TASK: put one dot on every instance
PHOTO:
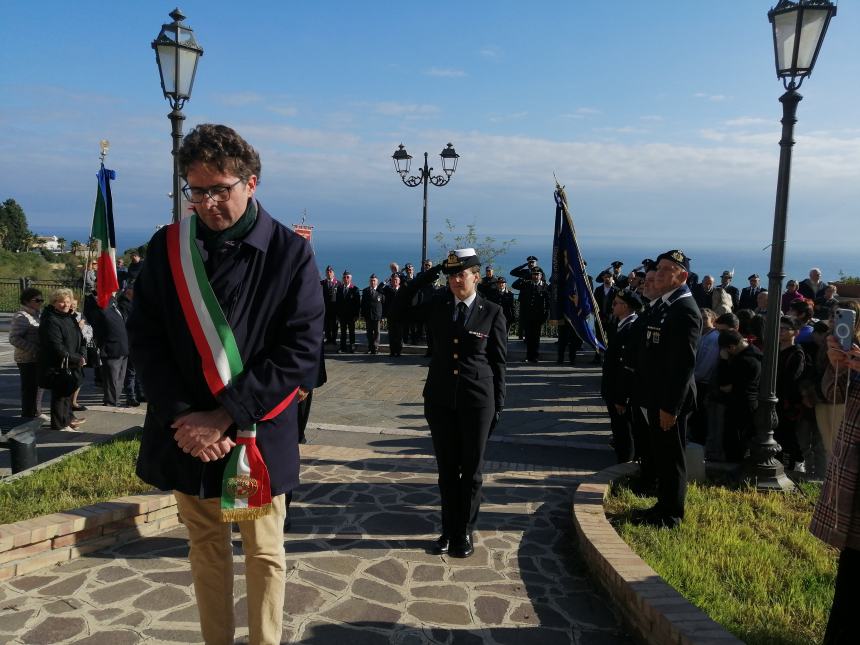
(268, 287)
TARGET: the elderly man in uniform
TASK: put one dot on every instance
(329, 292)
(465, 390)
(224, 331)
(749, 295)
(672, 328)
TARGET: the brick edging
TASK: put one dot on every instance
(654, 611)
(43, 541)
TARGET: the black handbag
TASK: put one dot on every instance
(64, 380)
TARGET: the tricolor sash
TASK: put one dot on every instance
(246, 491)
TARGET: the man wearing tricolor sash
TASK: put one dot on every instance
(226, 334)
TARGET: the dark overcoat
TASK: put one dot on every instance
(268, 288)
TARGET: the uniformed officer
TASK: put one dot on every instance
(488, 283)
(371, 311)
(465, 389)
(616, 388)
(348, 307)
(671, 338)
(504, 297)
(525, 270)
(329, 291)
(534, 310)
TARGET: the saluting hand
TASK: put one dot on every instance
(667, 421)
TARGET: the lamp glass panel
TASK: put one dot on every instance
(167, 63)
(810, 33)
(187, 63)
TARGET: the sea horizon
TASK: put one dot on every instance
(366, 252)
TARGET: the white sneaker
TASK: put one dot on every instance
(69, 429)
(45, 417)
(800, 467)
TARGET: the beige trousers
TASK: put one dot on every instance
(211, 559)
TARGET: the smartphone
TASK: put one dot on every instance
(843, 328)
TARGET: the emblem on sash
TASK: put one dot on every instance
(243, 486)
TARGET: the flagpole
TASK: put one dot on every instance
(560, 190)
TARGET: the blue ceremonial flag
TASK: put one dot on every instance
(572, 294)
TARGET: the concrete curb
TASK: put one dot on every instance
(654, 611)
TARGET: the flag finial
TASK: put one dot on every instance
(104, 145)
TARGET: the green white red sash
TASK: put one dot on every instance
(246, 491)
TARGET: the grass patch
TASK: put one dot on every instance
(103, 472)
(745, 558)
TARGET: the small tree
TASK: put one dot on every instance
(75, 246)
(488, 248)
(17, 235)
(61, 241)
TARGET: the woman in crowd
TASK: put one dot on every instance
(24, 337)
(790, 295)
(836, 519)
(60, 339)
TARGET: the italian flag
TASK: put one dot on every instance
(246, 491)
(103, 231)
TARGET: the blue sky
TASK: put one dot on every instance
(661, 118)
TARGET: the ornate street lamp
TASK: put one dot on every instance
(402, 162)
(177, 54)
(798, 31)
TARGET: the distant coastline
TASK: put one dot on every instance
(364, 253)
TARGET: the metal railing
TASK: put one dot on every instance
(11, 289)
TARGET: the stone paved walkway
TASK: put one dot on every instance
(358, 572)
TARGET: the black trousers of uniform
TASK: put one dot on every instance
(568, 340)
(459, 441)
(347, 333)
(330, 325)
(531, 331)
(642, 446)
(844, 622)
(29, 389)
(395, 337)
(372, 335)
(670, 464)
(622, 433)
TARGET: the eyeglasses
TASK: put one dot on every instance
(38, 300)
(215, 193)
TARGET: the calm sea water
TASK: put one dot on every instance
(364, 253)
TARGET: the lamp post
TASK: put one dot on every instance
(798, 31)
(402, 161)
(176, 53)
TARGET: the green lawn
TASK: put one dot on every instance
(104, 472)
(743, 557)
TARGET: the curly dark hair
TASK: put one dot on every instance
(221, 147)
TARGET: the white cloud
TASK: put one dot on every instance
(581, 113)
(744, 121)
(512, 116)
(391, 108)
(445, 72)
(287, 110)
(490, 51)
(714, 98)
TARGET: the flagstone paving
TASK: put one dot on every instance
(358, 568)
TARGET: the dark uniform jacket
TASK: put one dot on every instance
(468, 365)
(505, 299)
(619, 361)
(533, 300)
(109, 328)
(268, 287)
(329, 292)
(672, 333)
(604, 300)
(348, 301)
(372, 301)
(748, 298)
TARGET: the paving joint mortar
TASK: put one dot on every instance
(357, 562)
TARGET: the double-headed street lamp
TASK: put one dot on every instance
(402, 161)
(798, 31)
(176, 53)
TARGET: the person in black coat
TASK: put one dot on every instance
(525, 270)
(112, 340)
(348, 306)
(534, 311)
(616, 387)
(604, 295)
(504, 297)
(60, 338)
(465, 390)
(749, 295)
(329, 292)
(372, 301)
(395, 325)
(671, 338)
(738, 378)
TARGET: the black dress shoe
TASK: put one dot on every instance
(79, 408)
(132, 403)
(440, 546)
(461, 546)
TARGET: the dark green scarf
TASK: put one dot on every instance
(215, 240)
